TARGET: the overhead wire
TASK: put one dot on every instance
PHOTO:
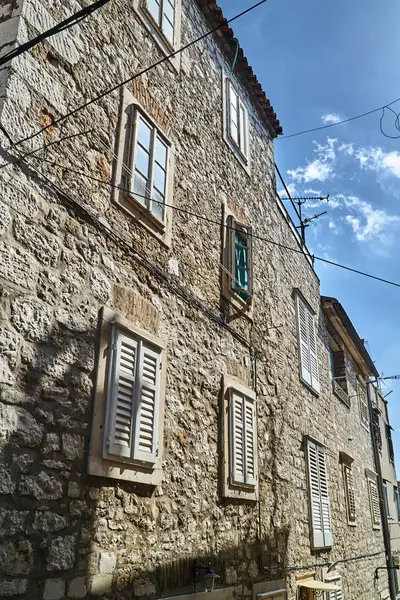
(139, 74)
(215, 222)
(62, 26)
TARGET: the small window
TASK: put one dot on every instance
(307, 345)
(127, 429)
(240, 259)
(396, 501)
(149, 165)
(339, 374)
(163, 14)
(236, 122)
(374, 502)
(319, 496)
(350, 493)
(363, 401)
(240, 474)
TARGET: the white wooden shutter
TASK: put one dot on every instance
(315, 497)
(237, 438)
(146, 418)
(319, 496)
(121, 395)
(350, 493)
(337, 594)
(250, 431)
(304, 349)
(374, 499)
(312, 340)
(324, 491)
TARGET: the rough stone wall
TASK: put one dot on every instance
(68, 535)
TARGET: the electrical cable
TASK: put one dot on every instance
(226, 226)
(223, 23)
(66, 24)
(370, 112)
(396, 123)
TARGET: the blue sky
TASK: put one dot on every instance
(319, 62)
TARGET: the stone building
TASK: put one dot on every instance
(176, 401)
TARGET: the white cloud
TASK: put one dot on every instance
(376, 159)
(331, 118)
(347, 149)
(321, 168)
(368, 223)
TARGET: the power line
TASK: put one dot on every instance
(226, 226)
(139, 74)
(370, 112)
(66, 24)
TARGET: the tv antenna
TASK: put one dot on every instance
(305, 222)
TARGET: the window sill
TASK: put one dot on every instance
(245, 163)
(124, 471)
(351, 523)
(142, 215)
(242, 307)
(309, 387)
(340, 393)
(239, 492)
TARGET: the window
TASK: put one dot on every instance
(396, 501)
(334, 594)
(319, 497)
(240, 472)
(307, 345)
(377, 427)
(236, 122)
(390, 443)
(129, 405)
(350, 493)
(338, 374)
(363, 401)
(385, 492)
(374, 501)
(149, 165)
(163, 13)
(240, 259)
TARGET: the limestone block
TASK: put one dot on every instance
(31, 318)
(108, 561)
(13, 587)
(73, 446)
(74, 490)
(7, 485)
(77, 588)
(48, 521)
(20, 197)
(45, 247)
(101, 584)
(16, 558)
(38, 79)
(17, 266)
(12, 521)
(61, 555)
(53, 589)
(9, 345)
(5, 218)
(19, 427)
(23, 462)
(100, 286)
(41, 487)
(51, 444)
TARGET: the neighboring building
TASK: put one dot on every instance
(167, 394)
(383, 433)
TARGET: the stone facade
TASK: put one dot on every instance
(69, 250)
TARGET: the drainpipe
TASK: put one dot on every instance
(382, 503)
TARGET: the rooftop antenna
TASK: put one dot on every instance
(304, 223)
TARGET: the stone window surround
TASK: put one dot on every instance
(347, 463)
(125, 199)
(237, 303)
(362, 399)
(244, 161)
(120, 468)
(158, 36)
(372, 476)
(229, 490)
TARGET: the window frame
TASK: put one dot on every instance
(363, 404)
(242, 153)
(310, 379)
(374, 504)
(101, 462)
(235, 226)
(125, 159)
(163, 43)
(232, 488)
(396, 499)
(386, 497)
(325, 533)
(349, 488)
(335, 580)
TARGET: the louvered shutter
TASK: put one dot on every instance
(237, 438)
(337, 594)
(312, 338)
(303, 328)
(350, 493)
(325, 504)
(121, 395)
(315, 496)
(374, 497)
(250, 442)
(146, 418)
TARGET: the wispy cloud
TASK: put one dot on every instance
(321, 168)
(330, 118)
(376, 159)
(367, 222)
